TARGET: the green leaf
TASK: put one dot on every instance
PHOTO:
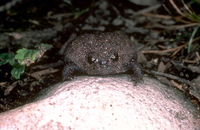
(192, 37)
(24, 57)
(79, 13)
(21, 55)
(27, 57)
(44, 47)
(68, 2)
(70, 6)
(7, 58)
(47, 46)
(17, 70)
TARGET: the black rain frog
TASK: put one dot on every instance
(101, 54)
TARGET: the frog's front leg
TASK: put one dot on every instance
(68, 70)
(137, 73)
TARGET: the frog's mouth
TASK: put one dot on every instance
(102, 68)
(101, 71)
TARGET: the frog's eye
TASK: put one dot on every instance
(92, 60)
(114, 57)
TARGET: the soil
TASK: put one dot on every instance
(160, 33)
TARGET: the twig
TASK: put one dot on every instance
(72, 36)
(189, 61)
(156, 15)
(190, 12)
(160, 52)
(180, 47)
(173, 27)
(149, 9)
(177, 49)
(177, 9)
(166, 9)
(10, 88)
(172, 77)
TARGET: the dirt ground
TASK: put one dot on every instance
(166, 36)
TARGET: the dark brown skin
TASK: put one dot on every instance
(101, 54)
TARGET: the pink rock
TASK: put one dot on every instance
(111, 103)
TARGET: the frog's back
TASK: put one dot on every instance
(102, 47)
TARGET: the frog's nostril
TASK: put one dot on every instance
(103, 62)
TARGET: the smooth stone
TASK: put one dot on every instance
(109, 102)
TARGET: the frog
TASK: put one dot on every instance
(101, 54)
